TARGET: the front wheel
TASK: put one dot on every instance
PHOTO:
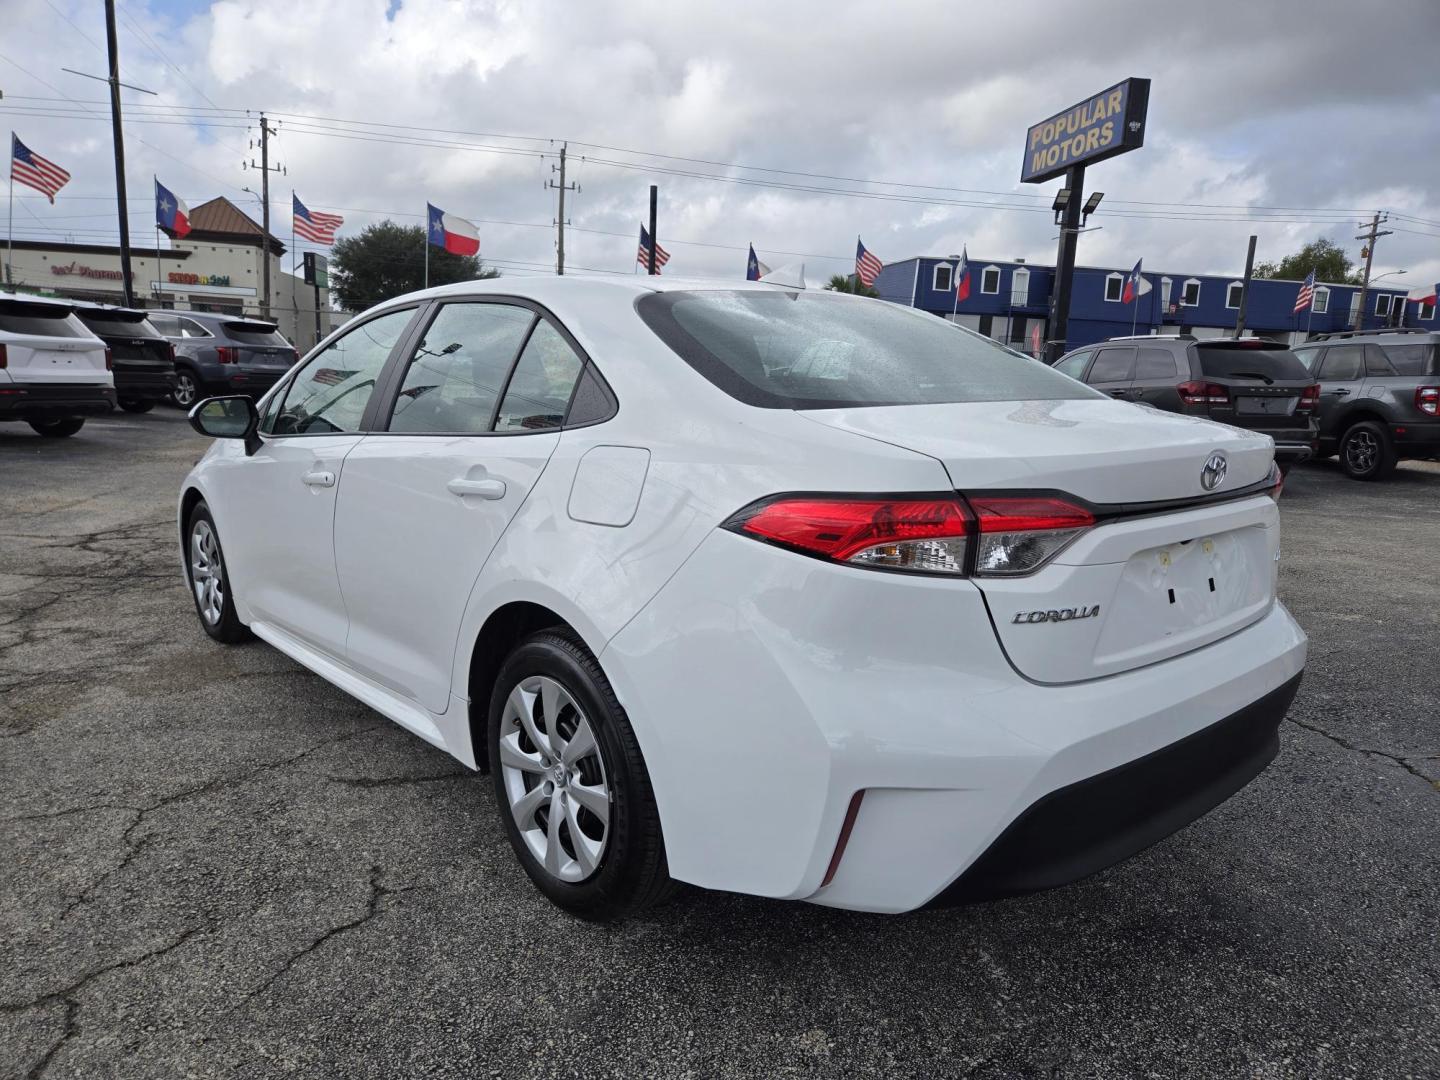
(1366, 452)
(57, 429)
(570, 784)
(209, 581)
(137, 406)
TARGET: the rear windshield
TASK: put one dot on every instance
(52, 320)
(1231, 362)
(113, 324)
(786, 350)
(254, 333)
(1417, 358)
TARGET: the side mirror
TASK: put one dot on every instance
(228, 418)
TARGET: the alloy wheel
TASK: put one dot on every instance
(185, 391)
(1362, 451)
(207, 572)
(554, 778)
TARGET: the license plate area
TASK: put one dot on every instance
(1253, 405)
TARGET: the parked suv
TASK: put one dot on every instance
(223, 354)
(53, 371)
(1250, 383)
(1379, 397)
(144, 362)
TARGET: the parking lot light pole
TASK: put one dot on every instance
(1065, 263)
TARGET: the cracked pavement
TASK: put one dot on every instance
(215, 864)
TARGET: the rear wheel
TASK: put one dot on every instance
(570, 784)
(1366, 452)
(137, 406)
(58, 429)
(209, 581)
(187, 388)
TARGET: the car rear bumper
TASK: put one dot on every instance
(1417, 439)
(143, 385)
(21, 400)
(1292, 453)
(768, 689)
(253, 383)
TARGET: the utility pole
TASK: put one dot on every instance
(265, 170)
(1245, 290)
(654, 236)
(1369, 236)
(113, 48)
(562, 187)
(1065, 264)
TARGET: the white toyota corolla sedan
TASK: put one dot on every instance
(763, 589)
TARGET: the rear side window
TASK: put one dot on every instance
(254, 333)
(1343, 362)
(51, 320)
(1307, 357)
(1113, 365)
(1412, 359)
(540, 389)
(1156, 365)
(191, 328)
(167, 325)
(806, 350)
(1239, 362)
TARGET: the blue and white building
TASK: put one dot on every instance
(1010, 301)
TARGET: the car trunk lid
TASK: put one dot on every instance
(46, 343)
(1255, 384)
(260, 346)
(1168, 566)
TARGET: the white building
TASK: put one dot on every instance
(216, 267)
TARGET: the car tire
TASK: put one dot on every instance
(57, 429)
(1366, 452)
(617, 866)
(210, 580)
(137, 406)
(187, 388)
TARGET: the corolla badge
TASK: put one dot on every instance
(1057, 615)
(1212, 475)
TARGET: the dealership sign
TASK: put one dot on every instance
(181, 278)
(1112, 122)
(85, 271)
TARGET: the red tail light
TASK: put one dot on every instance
(1309, 398)
(170, 349)
(928, 535)
(1427, 399)
(227, 354)
(296, 354)
(109, 360)
(4, 357)
(1277, 482)
(1203, 393)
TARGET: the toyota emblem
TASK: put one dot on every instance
(1213, 473)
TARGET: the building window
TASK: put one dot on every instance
(1114, 287)
(1321, 304)
(1382, 305)
(990, 280)
(1427, 311)
(1020, 290)
(1233, 292)
(1354, 306)
(944, 280)
(1190, 295)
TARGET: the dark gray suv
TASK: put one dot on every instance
(1379, 397)
(216, 353)
(1252, 383)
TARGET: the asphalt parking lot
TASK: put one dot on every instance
(215, 864)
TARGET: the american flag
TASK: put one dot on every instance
(34, 171)
(867, 266)
(1307, 293)
(643, 255)
(316, 227)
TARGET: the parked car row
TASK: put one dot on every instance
(62, 361)
(1372, 397)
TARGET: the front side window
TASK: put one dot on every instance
(168, 325)
(539, 390)
(458, 369)
(329, 394)
(1343, 363)
(1074, 366)
(813, 350)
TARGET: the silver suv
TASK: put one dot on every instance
(1379, 397)
(218, 353)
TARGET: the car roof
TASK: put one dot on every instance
(543, 288)
(27, 298)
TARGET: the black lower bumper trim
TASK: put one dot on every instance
(21, 400)
(1078, 830)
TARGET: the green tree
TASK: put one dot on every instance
(849, 283)
(1324, 256)
(388, 260)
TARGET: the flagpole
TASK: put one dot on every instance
(427, 245)
(1135, 315)
(159, 268)
(294, 292)
(10, 230)
(955, 291)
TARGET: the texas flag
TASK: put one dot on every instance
(454, 234)
(1423, 295)
(754, 268)
(171, 214)
(962, 276)
(1135, 284)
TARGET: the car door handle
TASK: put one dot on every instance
(1341, 392)
(319, 478)
(485, 489)
(1120, 393)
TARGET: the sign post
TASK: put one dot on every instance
(317, 274)
(1109, 123)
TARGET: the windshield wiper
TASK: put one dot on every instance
(1252, 375)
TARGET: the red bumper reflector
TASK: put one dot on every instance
(851, 812)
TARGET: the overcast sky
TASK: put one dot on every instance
(1327, 107)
